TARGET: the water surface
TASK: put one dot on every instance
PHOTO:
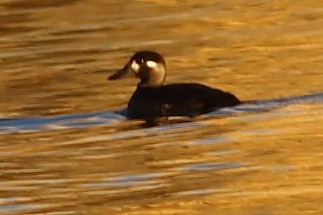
(66, 149)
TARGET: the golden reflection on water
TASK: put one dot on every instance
(252, 163)
(55, 57)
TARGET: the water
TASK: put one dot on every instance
(66, 148)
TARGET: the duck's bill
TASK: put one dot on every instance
(120, 73)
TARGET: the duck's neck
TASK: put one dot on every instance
(149, 84)
(153, 80)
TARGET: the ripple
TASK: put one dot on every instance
(37, 4)
(130, 180)
(210, 166)
(211, 140)
(22, 207)
(57, 122)
(200, 192)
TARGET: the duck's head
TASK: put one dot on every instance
(148, 66)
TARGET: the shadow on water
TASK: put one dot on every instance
(83, 120)
(37, 4)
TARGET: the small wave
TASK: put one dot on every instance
(82, 120)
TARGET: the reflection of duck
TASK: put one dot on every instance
(152, 99)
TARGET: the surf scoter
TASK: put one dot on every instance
(153, 100)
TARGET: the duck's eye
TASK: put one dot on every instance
(151, 64)
(134, 66)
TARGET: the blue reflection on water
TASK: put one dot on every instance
(210, 166)
(28, 124)
(66, 121)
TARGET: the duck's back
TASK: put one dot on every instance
(184, 99)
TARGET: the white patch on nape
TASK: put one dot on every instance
(151, 64)
(134, 66)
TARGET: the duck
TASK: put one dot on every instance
(154, 101)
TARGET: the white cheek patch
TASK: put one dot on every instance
(151, 64)
(134, 66)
